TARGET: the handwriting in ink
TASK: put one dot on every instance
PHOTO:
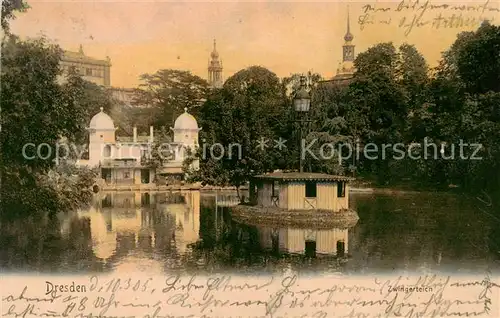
(418, 14)
(196, 296)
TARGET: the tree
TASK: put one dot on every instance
(88, 98)
(9, 7)
(160, 151)
(480, 77)
(478, 121)
(169, 92)
(248, 110)
(36, 111)
(377, 101)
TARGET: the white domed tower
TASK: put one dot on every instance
(186, 130)
(101, 132)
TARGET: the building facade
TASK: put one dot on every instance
(300, 191)
(125, 161)
(91, 69)
(215, 69)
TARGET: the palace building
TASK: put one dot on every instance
(215, 69)
(125, 160)
(91, 69)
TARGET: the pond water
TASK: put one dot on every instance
(193, 232)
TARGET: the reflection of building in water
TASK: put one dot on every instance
(124, 222)
(187, 220)
(304, 241)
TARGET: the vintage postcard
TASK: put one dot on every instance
(250, 159)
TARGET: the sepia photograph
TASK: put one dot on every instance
(273, 159)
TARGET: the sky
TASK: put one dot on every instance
(285, 37)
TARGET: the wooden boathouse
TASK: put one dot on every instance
(295, 191)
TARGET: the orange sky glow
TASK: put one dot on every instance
(285, 37)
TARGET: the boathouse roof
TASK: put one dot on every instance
(301, 176)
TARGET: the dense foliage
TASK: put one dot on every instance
(168, 92)
(394, 98)
(249, 109)
(37, 110)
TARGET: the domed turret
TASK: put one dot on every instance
(102, 121)
(348, 36)
(186, 129)
(186, 121)
(101, 132)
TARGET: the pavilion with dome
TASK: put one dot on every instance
(121, 159)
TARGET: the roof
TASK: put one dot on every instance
(186, 121)
(302, 176)
(128, 139)
(102, 121)
(70, 56)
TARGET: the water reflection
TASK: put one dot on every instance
(129, 228)
(309, 242)
(165, 232)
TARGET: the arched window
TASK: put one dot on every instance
(107, 151)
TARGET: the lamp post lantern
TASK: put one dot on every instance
(302, 104)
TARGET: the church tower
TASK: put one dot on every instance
(215, 69)
(346, 70)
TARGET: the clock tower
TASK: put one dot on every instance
(215, 69)
(348, 48)
(346, 69)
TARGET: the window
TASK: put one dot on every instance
(145, 199)
(340, 248)
(276, 189)
(126, 175)
(106, 202)
(88, 72)
(107, 151)
(310, 249)
(310, 189)
(340, 189)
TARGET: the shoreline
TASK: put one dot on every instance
(195, 187)
(276, 217)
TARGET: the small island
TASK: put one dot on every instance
(291, 199)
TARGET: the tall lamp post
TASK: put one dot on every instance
(302, 104)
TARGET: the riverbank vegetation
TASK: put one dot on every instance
(394, 97)
(38, 110)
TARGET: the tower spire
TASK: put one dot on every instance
(215, 68)
(348, 36)
(348, 23)
(347, 67)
